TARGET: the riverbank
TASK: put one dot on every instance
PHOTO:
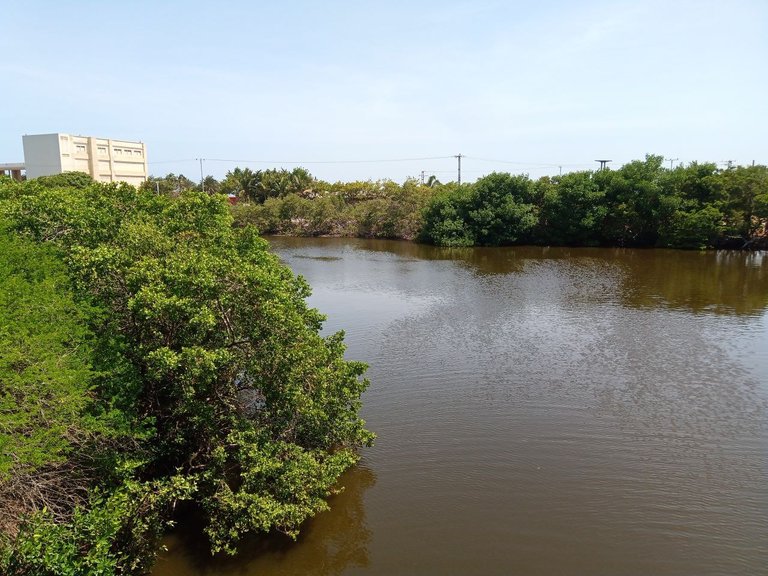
(757, 244)
(640, 205)
(609, 404)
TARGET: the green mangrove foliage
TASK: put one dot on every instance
(382, 209)
(640, 204)
(495, 210)
(50, 430)
(153, 354)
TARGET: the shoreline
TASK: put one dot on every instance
(758, 245)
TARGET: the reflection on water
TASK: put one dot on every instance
(543, 411)
(719, 282)
(329, 544)
(713, 281)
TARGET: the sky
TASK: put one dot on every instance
(365, 89)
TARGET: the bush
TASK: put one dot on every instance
(210, 377)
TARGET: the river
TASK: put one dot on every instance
(539, 411)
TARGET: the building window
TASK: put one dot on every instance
(80, 148)
(137, 153)
(118, 151)
(102, 151)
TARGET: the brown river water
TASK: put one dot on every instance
(539, 411)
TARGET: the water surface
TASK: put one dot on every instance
(539, 411)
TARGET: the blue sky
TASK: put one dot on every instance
(514, 86)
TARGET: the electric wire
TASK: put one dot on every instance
(380, 161)
(375, 161)
(533, 164)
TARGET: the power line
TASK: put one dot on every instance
(380, 161)
(173, 161)
(542, 164)
(463, 171)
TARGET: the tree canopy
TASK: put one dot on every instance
(197, 373)
(639, 204)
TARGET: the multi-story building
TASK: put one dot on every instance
(12, 169)
(104, 159)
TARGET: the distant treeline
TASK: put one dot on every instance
(296, 204)
(641, 204)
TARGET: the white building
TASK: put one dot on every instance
(105, 160)
(12, 169)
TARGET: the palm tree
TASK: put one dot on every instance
(432, 181)
(211, 185)
(245, 183)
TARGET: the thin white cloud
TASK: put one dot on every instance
(552, 81)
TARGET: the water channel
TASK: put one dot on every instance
(539, 411)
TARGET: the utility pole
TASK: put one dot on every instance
(422, 177)
(458, 157)
(202, 180)
(672, 161)
(603, 163)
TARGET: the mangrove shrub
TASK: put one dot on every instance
(202, 366)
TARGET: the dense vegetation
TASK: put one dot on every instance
(295, 203)
(152, 355)
(640, 204)
(365, 209)
(155, 355)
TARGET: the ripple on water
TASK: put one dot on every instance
(549, 411)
